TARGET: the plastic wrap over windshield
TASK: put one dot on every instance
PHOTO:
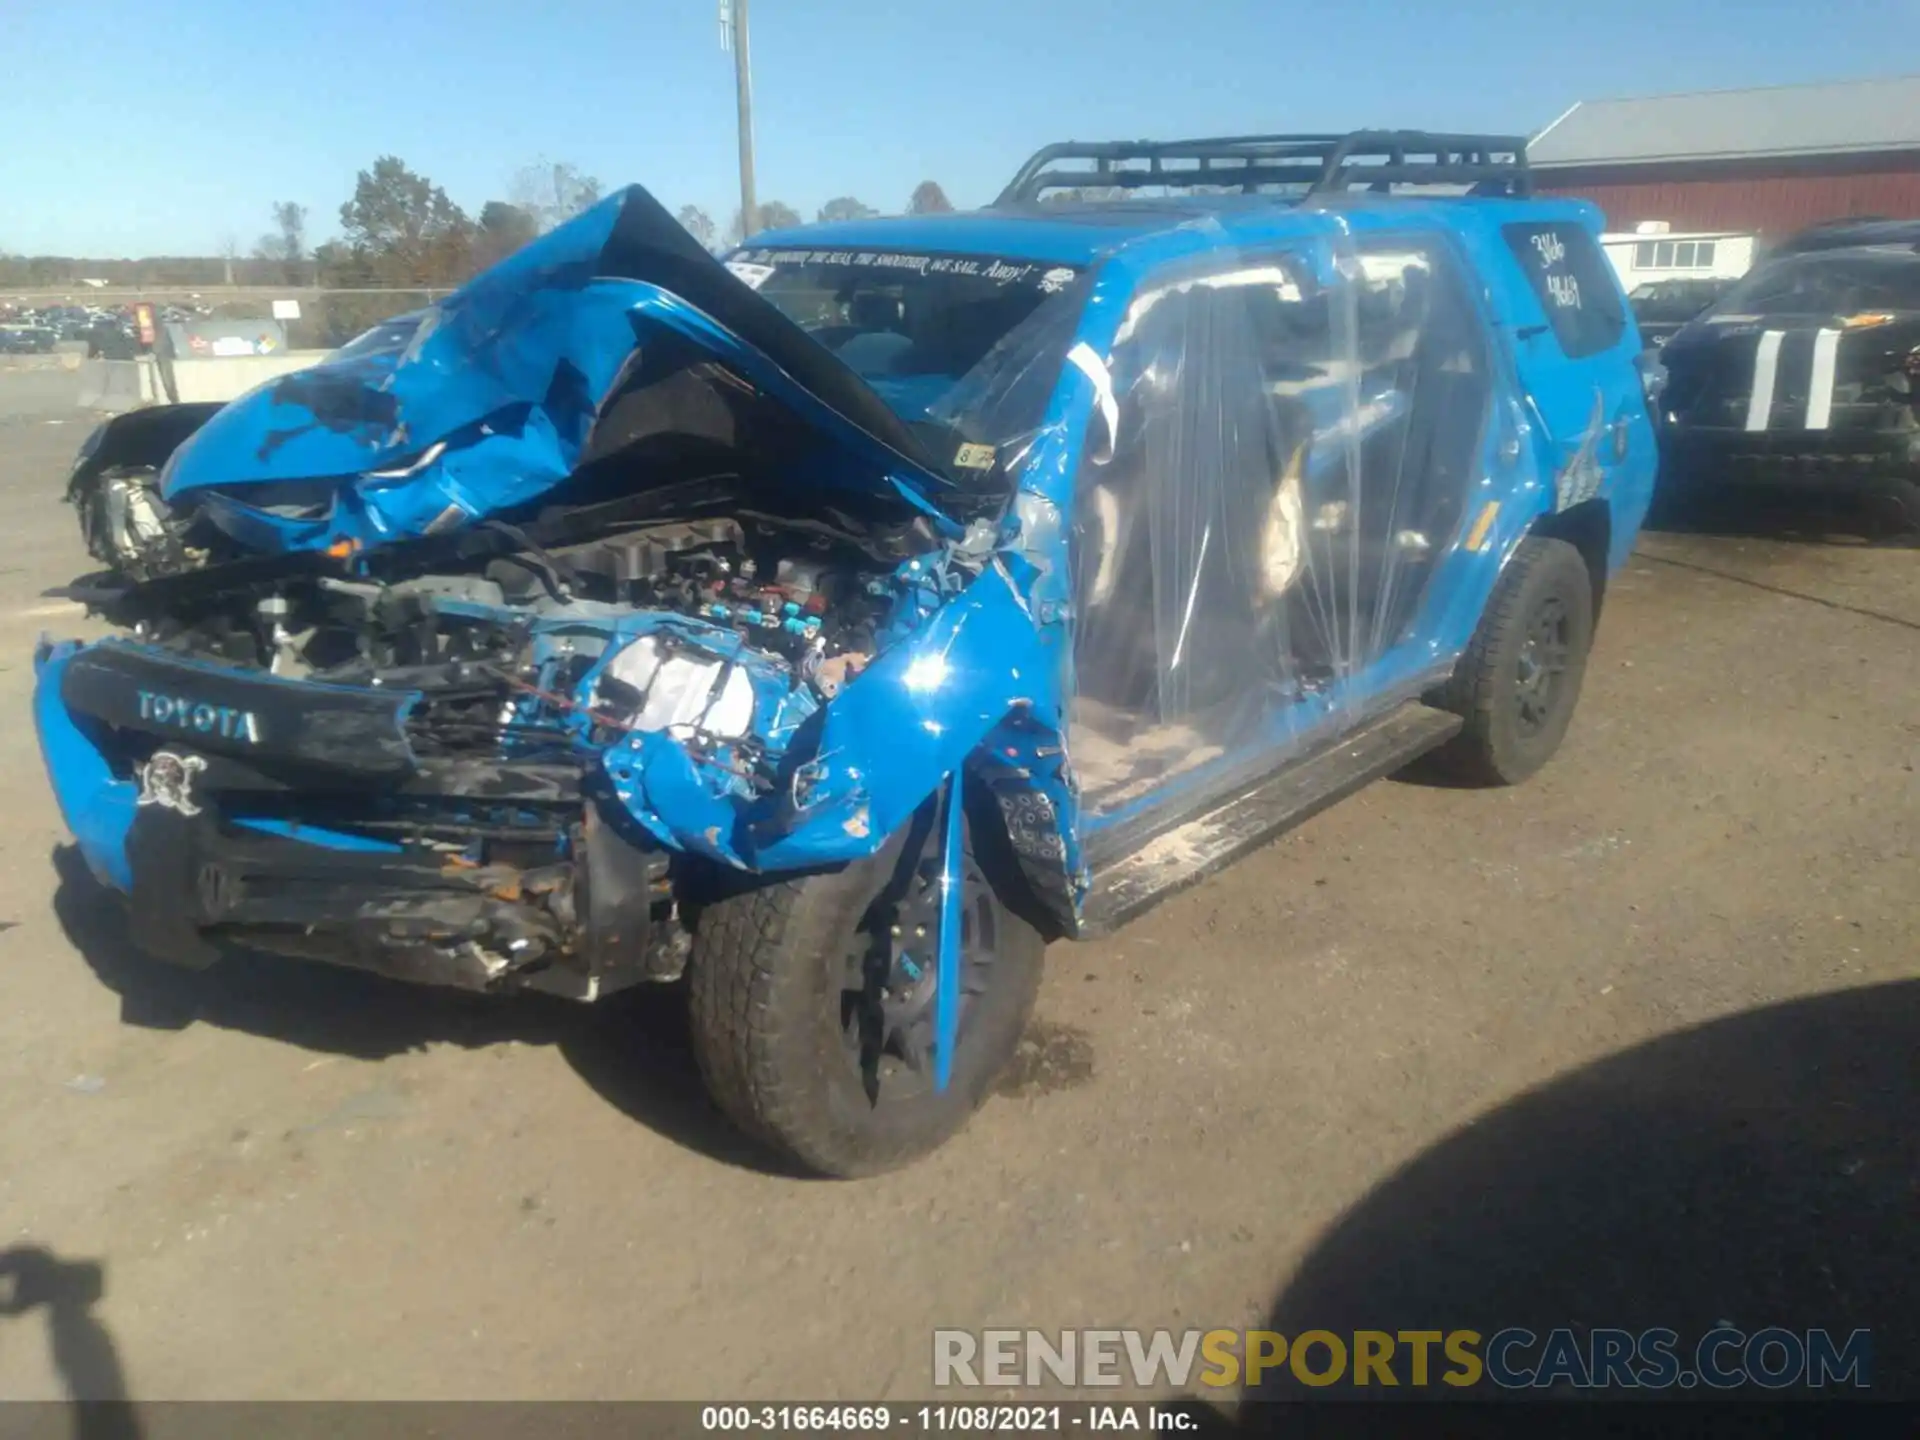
(1284, 456)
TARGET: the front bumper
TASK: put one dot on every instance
(251, 811)
(197, 883)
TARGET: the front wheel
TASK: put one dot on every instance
(1518, 682)
(812, 1004)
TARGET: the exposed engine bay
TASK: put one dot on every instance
(511, 644)
(531, 665)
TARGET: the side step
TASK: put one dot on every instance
(1251, 817)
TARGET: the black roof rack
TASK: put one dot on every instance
(1374, 160)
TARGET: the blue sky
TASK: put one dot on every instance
(257, 100)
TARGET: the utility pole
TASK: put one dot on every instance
(733, 35)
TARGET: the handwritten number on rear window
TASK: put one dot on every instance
(1570, 277)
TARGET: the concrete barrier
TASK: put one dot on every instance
(231, 376)
(116, 385)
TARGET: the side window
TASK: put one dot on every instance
(1573, 283)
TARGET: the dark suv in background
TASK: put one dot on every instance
(1804, 374)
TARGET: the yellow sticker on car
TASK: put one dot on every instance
(1482, 527)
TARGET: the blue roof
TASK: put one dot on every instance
(1080, 234)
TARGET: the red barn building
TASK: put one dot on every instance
(1764, 162)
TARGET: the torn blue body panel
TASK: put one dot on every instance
(492, 399)
(500, 459)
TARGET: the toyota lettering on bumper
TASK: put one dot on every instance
(184, 713)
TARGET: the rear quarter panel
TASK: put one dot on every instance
(1545, 390)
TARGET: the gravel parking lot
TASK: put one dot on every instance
(1431, 1060)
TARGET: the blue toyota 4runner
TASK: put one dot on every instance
(831, 626)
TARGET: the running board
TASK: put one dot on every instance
(1290, 796)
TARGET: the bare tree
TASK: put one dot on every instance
(928, 199)
(553, 192)
(285, 248)
(777, 215)
(697, 223)
(845, 207)
(503, 229)
(774, 215)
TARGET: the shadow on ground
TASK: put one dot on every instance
(1762, 1170)
(34, 1281)
(632, 1048)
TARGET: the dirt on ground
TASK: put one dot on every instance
(1435, 1058)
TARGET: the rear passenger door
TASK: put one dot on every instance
(1576, 349)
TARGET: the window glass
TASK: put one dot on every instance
(1572, 281)
(1828, 283)
(1703, 254)
(947, 341)
(1683, 255)
(1643, 255)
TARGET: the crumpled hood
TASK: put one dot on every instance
(493, 399)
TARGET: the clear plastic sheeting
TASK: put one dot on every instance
(1294, 435)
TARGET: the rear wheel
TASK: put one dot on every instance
(1517, 685)
(812, 1004)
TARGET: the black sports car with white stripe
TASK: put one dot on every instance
(1807, 371)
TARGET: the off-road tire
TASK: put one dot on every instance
(1494, 748)
(764, 984)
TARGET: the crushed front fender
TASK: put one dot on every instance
(871, 757)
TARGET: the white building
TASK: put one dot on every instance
(1652, 251)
